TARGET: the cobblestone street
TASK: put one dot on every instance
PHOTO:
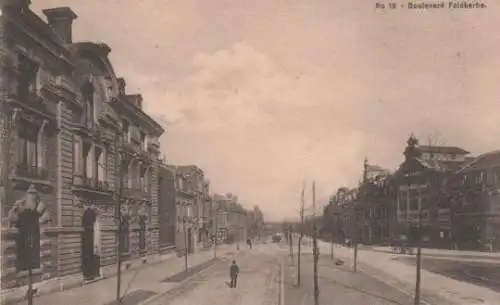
(258, 283)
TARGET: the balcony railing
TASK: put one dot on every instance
(31, 171)
(91, 183)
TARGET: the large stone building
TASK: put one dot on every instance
(69, 132)
(421, 184)
(167, 206)
(193, 209)
(232, 219)
(475, 200)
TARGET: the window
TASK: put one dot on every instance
(143, 141)
(28, 241)
(179, 183)
(27, 82)
(102, 164)
(88, 104)
(77, 156)
(87, 160)
(28, 149)
(145, 172)
(126, 131)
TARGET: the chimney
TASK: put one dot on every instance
(135, 99)
(121, 86)
(61, 20)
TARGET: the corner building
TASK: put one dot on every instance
(70, 134)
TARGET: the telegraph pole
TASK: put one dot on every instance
(185, 244)
(119, 187)
(301, 229)
(419, 250)
(315, 247)
(215, 233)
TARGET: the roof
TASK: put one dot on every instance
(443, 149)
(484, 161)
(441, 165)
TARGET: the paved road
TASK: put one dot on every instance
(485, 274)
(338, 285)
(258, 283)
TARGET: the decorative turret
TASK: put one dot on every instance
(412, 151)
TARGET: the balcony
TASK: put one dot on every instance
(31, 172)
(91, 185)
(24, 175)
(32, 102)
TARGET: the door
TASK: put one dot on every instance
(87, 243)
(142, 236)
(189, 241)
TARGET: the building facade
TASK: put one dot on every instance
(193, 209)
(232, 218)
(167, 206)
(422, 199)
(375, 205)
(80, 156)
(475, 198)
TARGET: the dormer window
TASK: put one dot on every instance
(87, 92)
(27, 82)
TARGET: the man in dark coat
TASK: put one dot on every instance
(234, 270)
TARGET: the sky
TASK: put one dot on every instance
(266, 94)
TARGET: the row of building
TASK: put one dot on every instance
(440, 193)
(80, 163)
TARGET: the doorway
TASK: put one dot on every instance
(189, 241)
(142, 236)
(90, 264)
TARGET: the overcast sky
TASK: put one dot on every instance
(263, 94)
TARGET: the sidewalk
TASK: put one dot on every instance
(446, 253)
(139, 284)
(402, 276)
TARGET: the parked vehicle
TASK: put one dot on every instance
(276, 238)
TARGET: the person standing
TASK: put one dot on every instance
(234, 271)
(249, 243)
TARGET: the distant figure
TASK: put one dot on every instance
(234, 270)
(249, 243)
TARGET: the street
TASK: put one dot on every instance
(258, 283)
(338, 285)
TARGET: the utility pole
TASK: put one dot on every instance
(315, 247)
(301, 229)
(119, 187)
(290, 233)
(216, 232)
(419, 250)
(331, 245)
(185, 244)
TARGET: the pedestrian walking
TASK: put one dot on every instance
(234, 271)
(249, 243)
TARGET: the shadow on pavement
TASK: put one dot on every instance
(179, 277)
(133, 298)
